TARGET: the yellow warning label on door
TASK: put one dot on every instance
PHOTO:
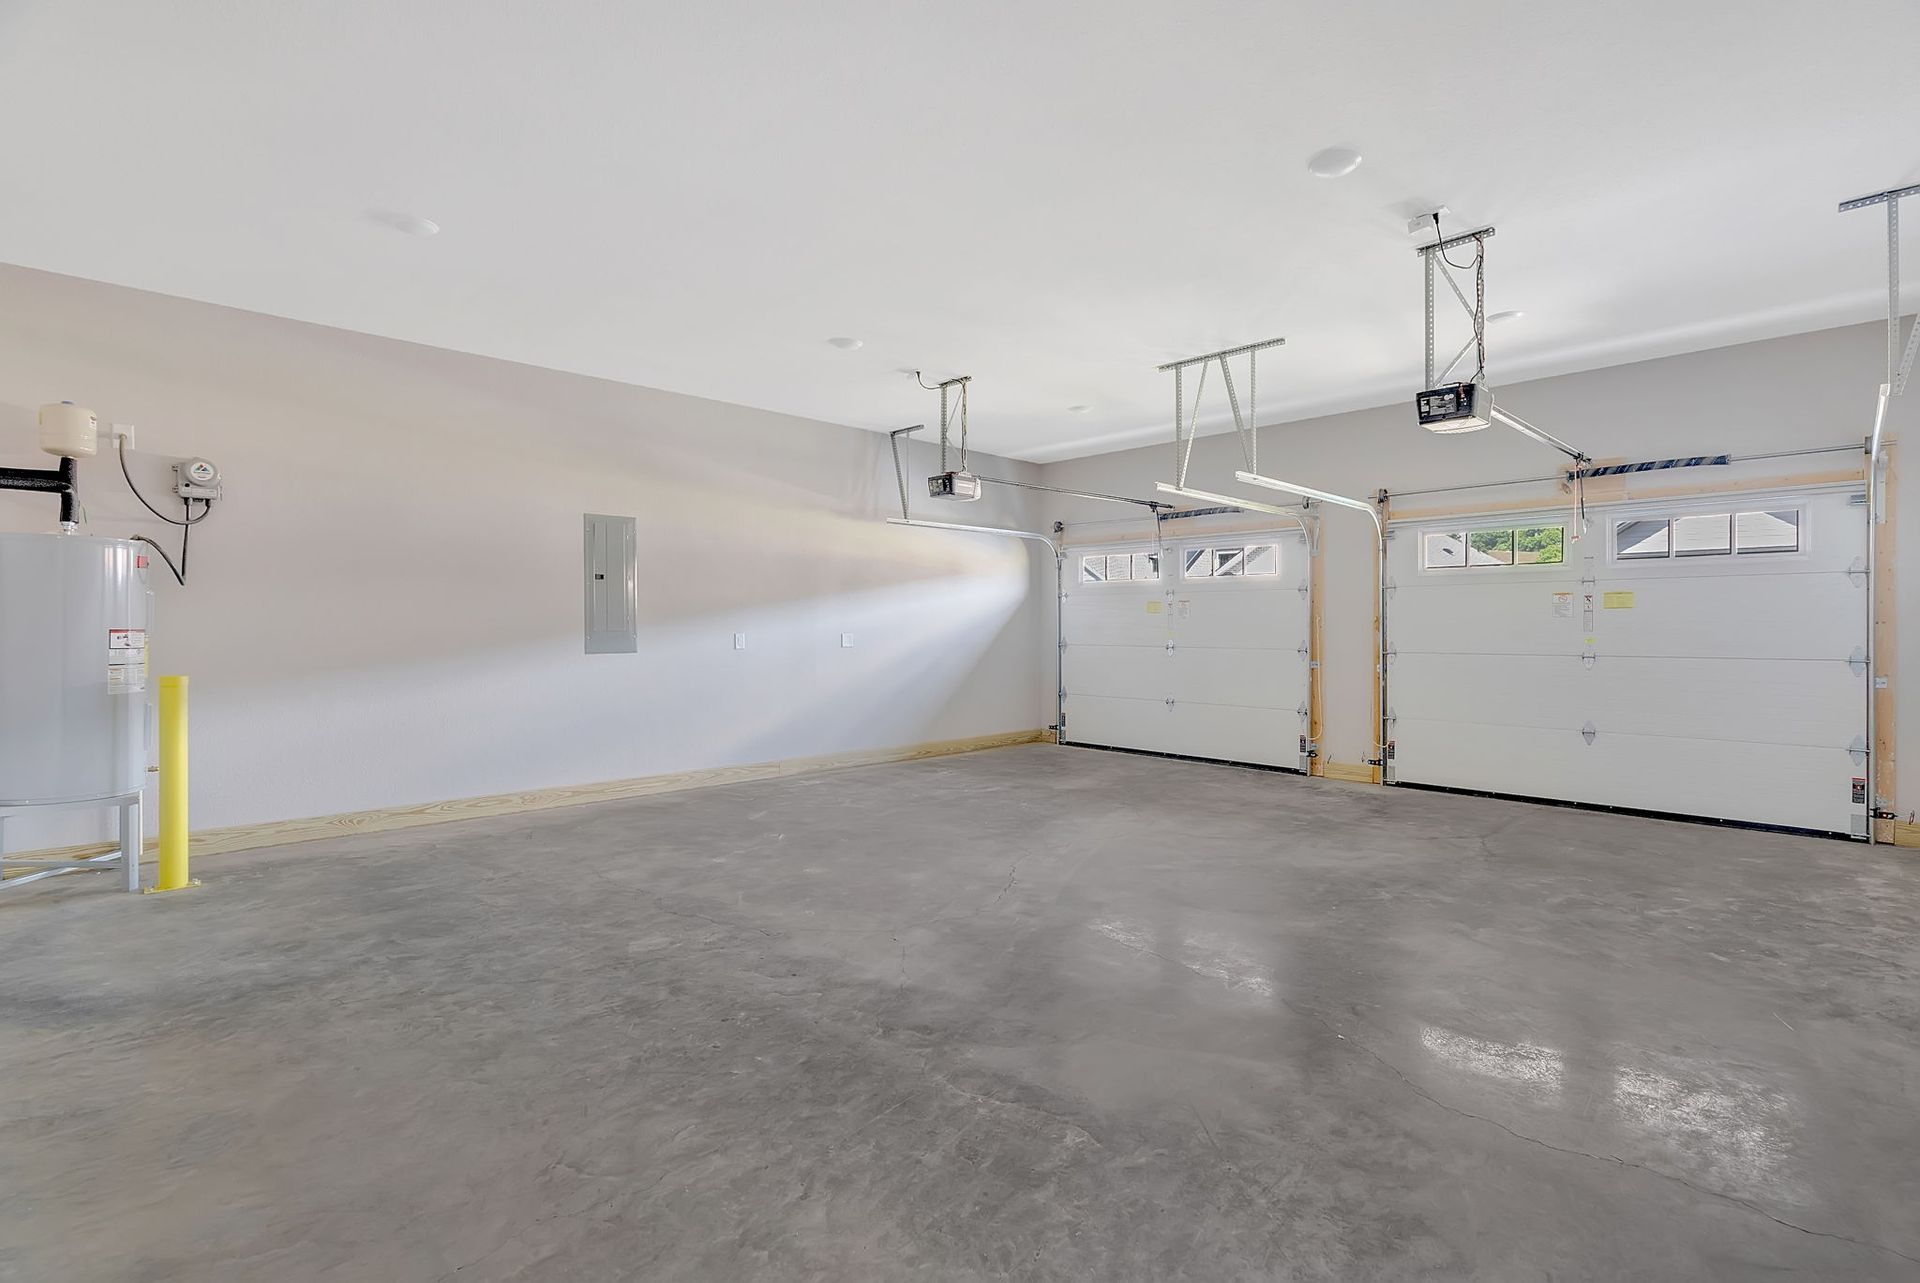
(1154, 608)
(1617, 600)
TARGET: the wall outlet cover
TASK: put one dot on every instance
(846, 641)
(739, 641)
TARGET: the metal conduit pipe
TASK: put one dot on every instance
(1059, 599)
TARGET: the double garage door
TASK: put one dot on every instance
(1196, 647)
(1702, 659)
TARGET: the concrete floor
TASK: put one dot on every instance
(1037, 1013)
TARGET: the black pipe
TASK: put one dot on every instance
(63, 481)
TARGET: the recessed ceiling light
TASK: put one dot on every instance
(411, 224)
(1078, 409)
(1499, 317)
(1333, 162)
(844, 343)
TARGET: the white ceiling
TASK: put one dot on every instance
(1051, 197)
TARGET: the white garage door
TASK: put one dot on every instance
(1197, 648)
(1700, 659)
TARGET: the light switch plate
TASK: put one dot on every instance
(739, 641)
(846, 641)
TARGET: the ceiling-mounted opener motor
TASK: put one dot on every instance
(1450, 408)
(951, 483)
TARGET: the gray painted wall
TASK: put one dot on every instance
(387, 607)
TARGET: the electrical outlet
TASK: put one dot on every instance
(846, 641)
(739, 641)
(124, 432)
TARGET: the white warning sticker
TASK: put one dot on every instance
(126, 660)
(1563, 605)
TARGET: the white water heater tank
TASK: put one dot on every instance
(74, 612)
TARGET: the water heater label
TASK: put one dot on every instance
(126, 660)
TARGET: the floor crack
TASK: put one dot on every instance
(743, 926)
(1008, 887)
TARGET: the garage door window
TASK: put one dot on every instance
(1236, 561)
(1503, 546)
(1706, 534)
(1119, 567)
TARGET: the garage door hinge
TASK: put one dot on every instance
(1392, 587)
(1858, 750)
(1588, 731)
(1857, 572)
(1588, 657)
(1303, 588)
(1858, 660)
(1169, 703)
(1303, 651)
(1169, 648)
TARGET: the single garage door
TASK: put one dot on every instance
(1196, 647)
(1701, 658)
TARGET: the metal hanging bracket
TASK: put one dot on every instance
(1246, 427)
(1899, 361)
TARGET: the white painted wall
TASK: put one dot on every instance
(387, 607)
(1815, 389)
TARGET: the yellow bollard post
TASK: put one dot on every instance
(173, 786)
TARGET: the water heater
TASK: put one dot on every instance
(74, 612)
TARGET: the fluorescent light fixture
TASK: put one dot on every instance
(1305, 492)
(1207, 496)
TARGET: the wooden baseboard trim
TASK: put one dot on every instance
(246, 837)
(1904, 834)
(1351, 772)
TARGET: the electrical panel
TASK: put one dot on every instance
(612, 585)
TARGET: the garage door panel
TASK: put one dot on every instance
(1456, 688)
(1810, 616)
(1766, 701)
(1114, 616)
(1129, 671)
(1759, 701)
(1791, 786)
(1480, 615)
(1240, 616)
(1232, 733)
(1118, 723)
(1255, 678)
